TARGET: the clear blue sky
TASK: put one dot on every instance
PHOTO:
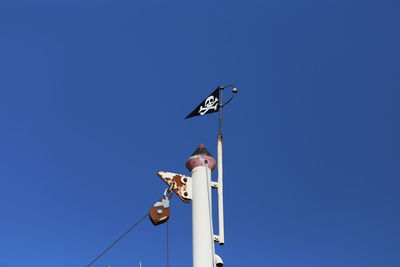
(92, 100)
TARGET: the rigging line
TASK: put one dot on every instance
(118, 239)
(167, 244)
(226, 103)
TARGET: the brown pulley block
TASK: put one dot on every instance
(159, 212)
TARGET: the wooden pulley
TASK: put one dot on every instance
(159, 212)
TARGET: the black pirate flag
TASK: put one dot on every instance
(209, 105)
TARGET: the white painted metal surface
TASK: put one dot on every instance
(221, 230)
(203, 243)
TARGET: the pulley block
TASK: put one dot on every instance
(159, 212)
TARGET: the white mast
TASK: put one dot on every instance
(201, 164)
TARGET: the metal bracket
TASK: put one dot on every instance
(182, 184)
(214, 184)
(218, 239)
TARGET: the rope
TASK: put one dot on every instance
(167, 244)
(118, 239)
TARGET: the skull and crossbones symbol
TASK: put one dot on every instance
(210, 103)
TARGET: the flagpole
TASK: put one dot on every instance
(221, 231)
(221, 89)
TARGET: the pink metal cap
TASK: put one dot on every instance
(201, 157)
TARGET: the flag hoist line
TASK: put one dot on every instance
(197, 188)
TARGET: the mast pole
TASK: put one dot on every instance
(201, 164)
